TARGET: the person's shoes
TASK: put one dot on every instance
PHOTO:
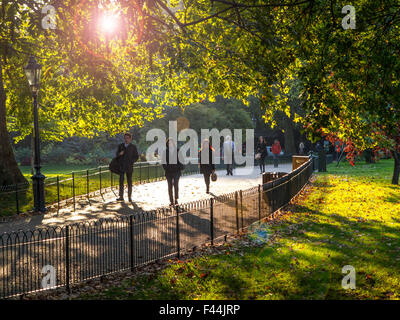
(171, 204)
(120, 199)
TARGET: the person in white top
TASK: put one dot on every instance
(228, 150)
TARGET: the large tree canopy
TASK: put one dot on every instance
(182, 52)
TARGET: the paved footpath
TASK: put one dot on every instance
(145, 197)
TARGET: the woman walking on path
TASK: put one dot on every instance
(172, 167)
(206, 162)
(261, 150)
(276, 150)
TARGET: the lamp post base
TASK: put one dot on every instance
(38, 192)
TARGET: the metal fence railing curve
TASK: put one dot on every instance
(61, 256)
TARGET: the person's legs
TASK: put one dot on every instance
(262, 164)
(129, 178)
(170, 181)
(121, 185)
(207, 181)
(275, 161)
(176, 186)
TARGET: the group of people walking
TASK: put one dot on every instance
(173, 169)
(127, 155)
(262, 152)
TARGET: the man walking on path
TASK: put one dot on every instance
(276, 150)
(228, 150)
(127, 155)
(261, 153)
(206, 164)
(173, 168)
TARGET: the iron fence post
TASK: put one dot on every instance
(131, 241)
(241, 207)
(58, 194)
(73, 189)
(237, 211)
(67, 260)
(212, 221)
(140, 173)
(259, 203)
(178, 242)
(100, 178)
(87, 183)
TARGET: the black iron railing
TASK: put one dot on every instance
(18, 198)
(59, 257)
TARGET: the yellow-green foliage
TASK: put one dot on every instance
(351, 217)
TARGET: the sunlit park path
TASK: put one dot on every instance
(145, 197)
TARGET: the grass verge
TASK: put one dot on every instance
(348, 216)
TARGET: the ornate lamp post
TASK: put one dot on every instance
(33, 71)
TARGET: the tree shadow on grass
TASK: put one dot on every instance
(393, 198)
(312, 270)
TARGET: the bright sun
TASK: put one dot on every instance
(109, 22)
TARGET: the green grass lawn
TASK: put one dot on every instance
(54, 170)
(349, 216)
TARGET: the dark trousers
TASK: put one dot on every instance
(261, 162)
(275, 161)
(173, 181)
(229, 169)
(207, 180)
(121, 184)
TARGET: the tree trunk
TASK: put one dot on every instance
(290, 147)
(396, 171)
(9, 170)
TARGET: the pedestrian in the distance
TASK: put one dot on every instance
(301, 148)
(261, 153)
(206, 162)
(173, 168)
(276, 150)
(228, 151)
(127, 155)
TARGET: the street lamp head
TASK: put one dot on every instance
(33, 71)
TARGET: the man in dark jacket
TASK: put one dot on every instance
(172, 167)
(207, 166)
(127, 155)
